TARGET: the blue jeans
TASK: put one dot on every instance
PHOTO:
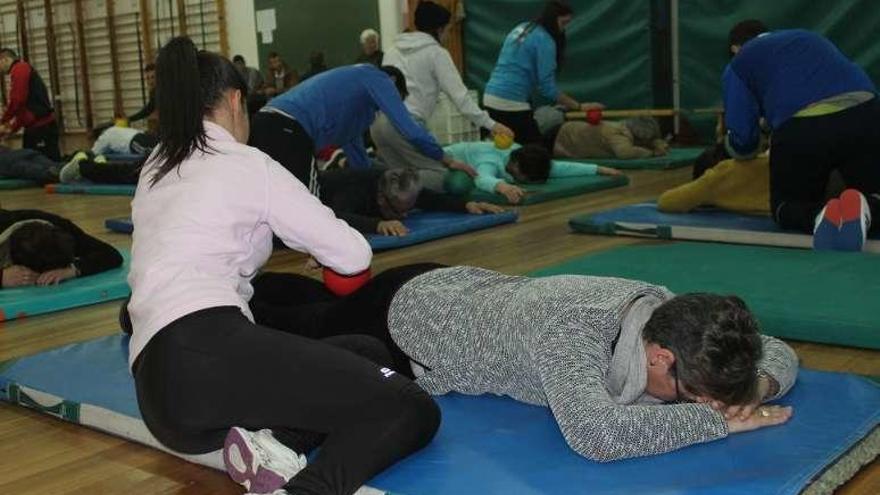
(29, 165)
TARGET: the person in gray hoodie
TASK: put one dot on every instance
(429, 69)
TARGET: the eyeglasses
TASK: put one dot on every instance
(673, 370)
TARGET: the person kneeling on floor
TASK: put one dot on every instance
(498, 169)
(39, 248)
(375, 201)
(822, 109)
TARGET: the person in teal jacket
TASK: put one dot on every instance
(498, 171)
(529, 61)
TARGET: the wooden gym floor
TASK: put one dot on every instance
(42, 455)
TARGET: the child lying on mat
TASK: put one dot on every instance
(628, 368)
(498, 169)
(39, 248)
(633, 138)
(738, 186)
(375, 200)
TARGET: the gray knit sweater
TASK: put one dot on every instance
(548, 341)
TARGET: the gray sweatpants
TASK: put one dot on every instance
(396, 152)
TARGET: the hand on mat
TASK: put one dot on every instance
(502, 129)
(761, 417)
(478, 208)
(392, 227)
(19, 276)
(55, 277)
(608, 171)
(743, 411)
(464, 167)
(592, 105)
(513, 193)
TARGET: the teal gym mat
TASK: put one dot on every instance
(89, 188)
(93, 289)
(825, 297)
(676, 158)
(556, 189)
(6, 184)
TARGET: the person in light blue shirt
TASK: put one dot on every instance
(498, 171)
(823, 111)
(529, 61)
(336, 108)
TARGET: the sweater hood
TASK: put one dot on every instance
(408, 43)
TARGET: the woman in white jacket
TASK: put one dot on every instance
(429, 69)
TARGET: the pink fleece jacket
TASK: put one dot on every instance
(204, 230)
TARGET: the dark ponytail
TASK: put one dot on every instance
(549, 20)
(189, 84)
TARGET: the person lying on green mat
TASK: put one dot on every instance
(628, 368)
(28, 164)
(32, 165)
(375, 200)
(630, 139)
(39, 248)
(498, 170)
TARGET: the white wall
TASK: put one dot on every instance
(241, 27)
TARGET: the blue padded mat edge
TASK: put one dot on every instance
(647, 213)
(490, 444)
(121, 225)
(424, 226)
(102, 287)
(427, 226)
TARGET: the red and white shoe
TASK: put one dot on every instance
(855, 221)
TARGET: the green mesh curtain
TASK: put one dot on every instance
(703, 26)
(608, 57)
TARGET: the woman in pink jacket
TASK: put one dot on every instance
(207, 376)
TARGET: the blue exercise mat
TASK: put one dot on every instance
(490, 444)
(427, 226)
(645, 220)
(83, 291)
(6, 184)
(423, 226)
(121, 225)
(90, 188)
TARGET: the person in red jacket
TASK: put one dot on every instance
(28, 107)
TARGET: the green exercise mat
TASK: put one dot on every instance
(16, 183)
(676, 158)
(557, 188)
(815, 296)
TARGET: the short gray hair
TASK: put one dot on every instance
(367, 34)
(644, 129)
(401, 187)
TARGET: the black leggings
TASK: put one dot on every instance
(303, 306)
(806, 150)
(111, 172)
(213, 369)
(43, 139)
(523, 125)
(285, 140)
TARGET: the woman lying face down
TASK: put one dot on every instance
(628, 368)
